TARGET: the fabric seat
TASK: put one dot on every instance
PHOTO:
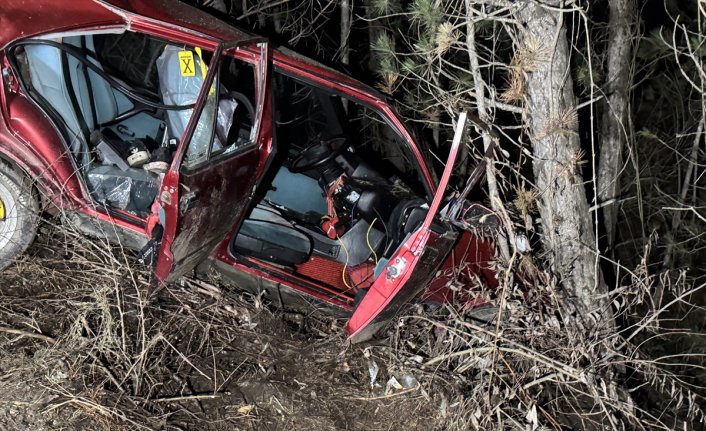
(47, 78)
(61, 80)
(297, 192)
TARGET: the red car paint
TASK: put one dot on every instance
(29, 139)
(27, 18)
(469, 259)
(385, 288)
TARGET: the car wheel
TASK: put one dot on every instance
(18, 215)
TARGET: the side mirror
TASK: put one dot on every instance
(475, 217)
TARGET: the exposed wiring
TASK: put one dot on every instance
(329, 196)
(384, 226)
(367, 240)
(345, 265)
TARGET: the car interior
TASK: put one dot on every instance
(122, 102)
(340, 196)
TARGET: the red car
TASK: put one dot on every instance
(155, 124)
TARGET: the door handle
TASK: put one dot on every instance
(9, 80)
(188, 201)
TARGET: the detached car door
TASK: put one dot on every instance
(212, 179)
(411, 267)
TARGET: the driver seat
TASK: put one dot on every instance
(266, 235)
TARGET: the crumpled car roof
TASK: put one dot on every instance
(26, 18)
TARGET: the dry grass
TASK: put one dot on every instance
(81, 345)
(526, 59)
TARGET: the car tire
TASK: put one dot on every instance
(18, 227)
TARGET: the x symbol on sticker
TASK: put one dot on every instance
(187, 65)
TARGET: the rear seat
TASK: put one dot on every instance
(99, 103)
(109, 103)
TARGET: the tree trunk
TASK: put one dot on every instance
(614, 124)
(568, 234)
(345, 31)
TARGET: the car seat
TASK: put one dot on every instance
(82, 98)
(297, 192)
(179, 88)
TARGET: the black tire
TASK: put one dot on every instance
(19, 225)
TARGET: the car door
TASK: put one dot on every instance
(412, 266)
(201, 203)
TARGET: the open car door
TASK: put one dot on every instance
(412, 266)
(202, 203)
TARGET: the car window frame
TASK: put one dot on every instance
(383, 115)
(211, 159)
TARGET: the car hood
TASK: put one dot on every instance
(27, 18)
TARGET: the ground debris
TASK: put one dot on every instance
(82, 347)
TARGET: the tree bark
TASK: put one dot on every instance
(614, 124)
(345, 31)
(567, 228)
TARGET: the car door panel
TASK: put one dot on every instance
(387, 298)
(210, 202)
(414, 264)
(201, 205)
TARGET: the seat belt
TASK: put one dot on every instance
(72, 98)
(89, 85)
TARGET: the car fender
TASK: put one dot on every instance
(30, 143)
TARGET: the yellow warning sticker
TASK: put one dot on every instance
(2, 210)
(186, 63)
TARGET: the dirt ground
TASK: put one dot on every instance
(81, 347)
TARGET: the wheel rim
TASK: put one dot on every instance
(8, 216)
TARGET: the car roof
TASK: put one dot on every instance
(181, 14)
(27, 18)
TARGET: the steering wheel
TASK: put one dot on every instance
(319, 153)
(241, 119)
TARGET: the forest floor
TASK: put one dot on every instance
(82, 348)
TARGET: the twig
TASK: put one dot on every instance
(261, 9)
(186, 397)
(107, 371)
(182, 356)
(676, 217)
(382, 397)
(452, 355)
(27, 334)
(692, 209)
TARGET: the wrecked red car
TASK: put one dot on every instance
(157, 125)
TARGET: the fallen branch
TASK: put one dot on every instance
(42, 337)
(382, 397)
(186, 397)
